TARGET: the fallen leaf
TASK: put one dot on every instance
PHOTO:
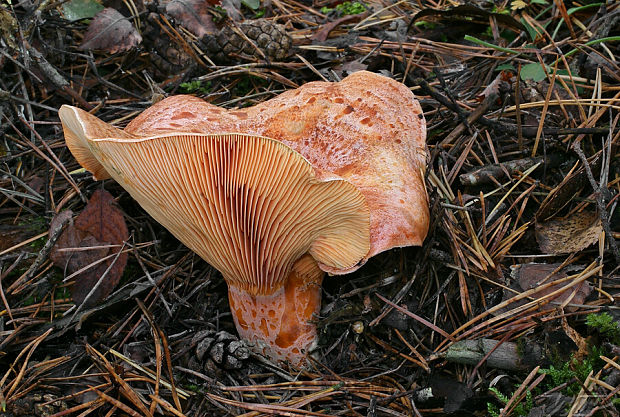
(110, 31)
(533, 71)
(532, 275)
(103, 219)
(455, 392)
(579, 340)
(251, 4)
(193, 15)
(349, 67)
(570, 234)
(80, 9)
(232, 8)
(83, 244)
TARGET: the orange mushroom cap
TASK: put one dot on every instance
(250, 206)
(367, 129)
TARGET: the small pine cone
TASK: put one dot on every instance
(39, 405)
(167, 56)
(221, 348)
(270, 38)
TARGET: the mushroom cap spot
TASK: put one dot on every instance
(249, 205)
(384, 158)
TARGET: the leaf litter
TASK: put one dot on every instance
(90, 250)
(112, 32)
(569, 235)
(523, 178)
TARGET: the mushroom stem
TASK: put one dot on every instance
(278, 325)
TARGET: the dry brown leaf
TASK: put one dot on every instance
(532, 275)
(193, 15)
(99, 225)
(570, 234)
(110, 31)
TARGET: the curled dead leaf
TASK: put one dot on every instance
(98, 232)
(570, 234)
(193, 15)
(110, 31)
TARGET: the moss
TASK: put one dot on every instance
(196, 86)
(247, 84)
(521, 409)
(605, 325)
(574, 372)
(346, 8)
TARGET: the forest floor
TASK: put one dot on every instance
(510, 307)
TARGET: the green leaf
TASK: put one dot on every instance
(251, 4)
(533, 71)
(539, 2)
(81, 9)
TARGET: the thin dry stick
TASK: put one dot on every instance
(545, 106)
(600, 191)
(27, 352)
(165, 404)
(173, 388)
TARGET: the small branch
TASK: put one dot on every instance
(56, 78)
(600, 193)
(506, 355)
(486, 174)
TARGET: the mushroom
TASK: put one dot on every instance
(318, 179)
(250, 206)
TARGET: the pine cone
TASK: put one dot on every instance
(268, 37)
(222, 348)
(34, 405)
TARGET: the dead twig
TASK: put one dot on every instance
(601, 193)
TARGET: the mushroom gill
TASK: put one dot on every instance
(250, 206)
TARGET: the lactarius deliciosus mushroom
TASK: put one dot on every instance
(317, 179)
